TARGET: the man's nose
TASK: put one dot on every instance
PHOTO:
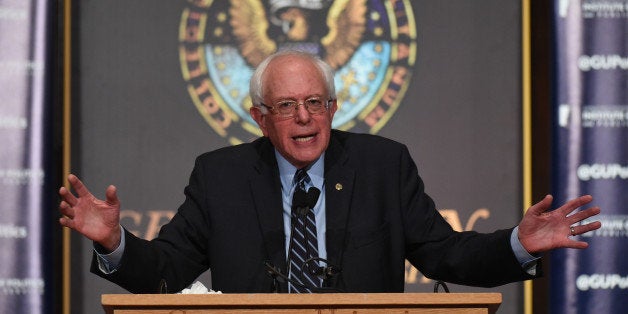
(302, 114)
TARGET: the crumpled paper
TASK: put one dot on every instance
(198, 288)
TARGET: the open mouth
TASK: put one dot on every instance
(303, 138)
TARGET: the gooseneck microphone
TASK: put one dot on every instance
(302, 203)
(325, 272)
(312, 197)
(277, 276)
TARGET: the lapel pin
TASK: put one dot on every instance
(338, 186)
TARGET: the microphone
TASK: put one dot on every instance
(302, 202)
(312, 196)
(325, 272)
(277, 276)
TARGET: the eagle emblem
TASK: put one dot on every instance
(371, 45)
(332, 30)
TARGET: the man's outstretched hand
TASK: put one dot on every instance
(542, 230)
(96, 219)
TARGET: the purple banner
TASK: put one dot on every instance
(24, 51)
(591, 151)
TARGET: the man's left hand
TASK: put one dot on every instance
(542, 230)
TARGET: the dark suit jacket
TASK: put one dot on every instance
(377, 216)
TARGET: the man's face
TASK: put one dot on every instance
(303, 138)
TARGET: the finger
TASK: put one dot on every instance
(573, 204)
(542, 206)
(66, 210)
(67, 196)
(577, 245)
(578, 230)
(582, 215)
(66, 222)
(112, 197)
(78, 186)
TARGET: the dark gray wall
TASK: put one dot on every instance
(138, 129)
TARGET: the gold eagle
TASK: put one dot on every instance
(346, 22)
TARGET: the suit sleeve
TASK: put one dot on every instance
(177, 256)
(439, 252)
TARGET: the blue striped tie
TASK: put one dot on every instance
(304, 244)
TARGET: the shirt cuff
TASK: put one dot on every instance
(108, 263)
(528, 261)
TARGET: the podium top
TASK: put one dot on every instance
(333, 302)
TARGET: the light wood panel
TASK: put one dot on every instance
(340, 303)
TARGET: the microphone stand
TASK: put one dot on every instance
(302, 202)
(440, 283)
(273, 273)
(276, 274)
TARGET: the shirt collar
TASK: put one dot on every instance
(287, 170)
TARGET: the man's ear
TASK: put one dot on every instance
(259, 117)
(333, 108)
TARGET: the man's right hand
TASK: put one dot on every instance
(96, 219)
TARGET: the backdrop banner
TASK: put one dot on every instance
(591, 151)
(24, 199)
(156, 83)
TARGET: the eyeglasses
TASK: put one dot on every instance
(288, 108)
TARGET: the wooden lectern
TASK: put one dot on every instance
(332, 303)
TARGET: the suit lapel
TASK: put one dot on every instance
(339, 183)
(266, 189)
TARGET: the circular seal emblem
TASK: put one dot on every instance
(370, 44)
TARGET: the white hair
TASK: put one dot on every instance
(256, 86)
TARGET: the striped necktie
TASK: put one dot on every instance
(304, 245)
